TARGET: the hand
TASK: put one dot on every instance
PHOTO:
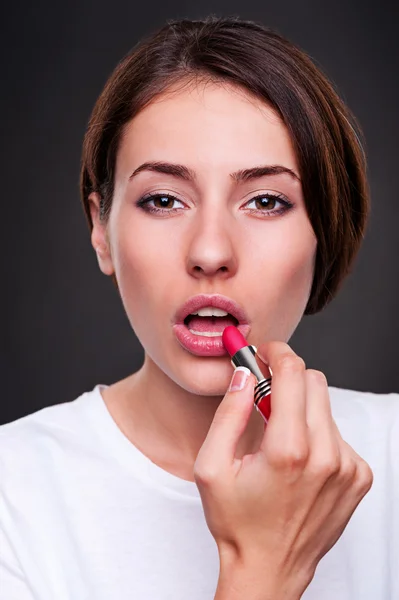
(282, 508)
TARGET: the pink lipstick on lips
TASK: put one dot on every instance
(243, 355)
(199, 323)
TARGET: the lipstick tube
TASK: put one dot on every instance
(245, 357)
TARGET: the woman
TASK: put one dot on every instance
(224, 184)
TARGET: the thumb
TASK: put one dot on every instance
(229, 423)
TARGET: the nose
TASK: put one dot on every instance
(212, 252)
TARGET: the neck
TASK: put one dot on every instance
(167, 423)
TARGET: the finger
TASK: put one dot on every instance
(286, 431)
(231, 418)
(324, 443)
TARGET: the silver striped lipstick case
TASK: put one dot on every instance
(245, 357)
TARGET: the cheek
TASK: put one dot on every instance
(138, 267)
(147, 266)
(284, 279)
(285, 258)
(143, 257)
(297, 269)
(294, 283)
(297, 254)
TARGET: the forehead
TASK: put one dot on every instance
(209, 124)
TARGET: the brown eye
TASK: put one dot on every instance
(269, 205)
(265, 202)
(163, 201)
(160, 204)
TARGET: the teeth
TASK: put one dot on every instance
(210, 311)
(206, 333)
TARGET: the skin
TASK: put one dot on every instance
(210, 243)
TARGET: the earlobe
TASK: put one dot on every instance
(104, 261)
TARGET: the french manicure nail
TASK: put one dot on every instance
(239, 379)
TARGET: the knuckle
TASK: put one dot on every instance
(328, 467)
(290, 362)
(316, 376)
(290, 459)
(364, 476)
(205, 475)
(348, 470)
(205, 471)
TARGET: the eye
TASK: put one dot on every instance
(160, 203)
(265, 204)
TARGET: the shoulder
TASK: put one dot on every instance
(347, 403)
(30, 443)
(57, 416)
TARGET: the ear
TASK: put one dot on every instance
(99, 237)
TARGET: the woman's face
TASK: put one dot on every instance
(210, 236)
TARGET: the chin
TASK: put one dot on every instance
(204, 390)
(205, 377)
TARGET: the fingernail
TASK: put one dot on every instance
(239, 379)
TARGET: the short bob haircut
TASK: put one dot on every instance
(247, 54)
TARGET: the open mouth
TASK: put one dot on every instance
(199, 323)
(209, 325)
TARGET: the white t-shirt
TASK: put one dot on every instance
(84, 515)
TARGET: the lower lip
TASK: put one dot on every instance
(201, 345)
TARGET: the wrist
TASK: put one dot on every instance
(241, 579)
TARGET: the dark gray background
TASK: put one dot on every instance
(64, 326)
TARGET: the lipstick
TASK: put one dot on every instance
(243, 355)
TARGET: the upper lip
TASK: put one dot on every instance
(216, 300)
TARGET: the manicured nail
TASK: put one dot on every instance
(239, 379)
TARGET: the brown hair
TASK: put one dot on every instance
(247, 54)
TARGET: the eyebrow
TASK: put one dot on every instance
(187, 174)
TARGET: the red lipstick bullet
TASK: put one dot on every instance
(243, 355)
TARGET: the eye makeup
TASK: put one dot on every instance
(262, 212)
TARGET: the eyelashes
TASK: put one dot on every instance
(261, 201)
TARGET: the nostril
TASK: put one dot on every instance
(198, 269)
